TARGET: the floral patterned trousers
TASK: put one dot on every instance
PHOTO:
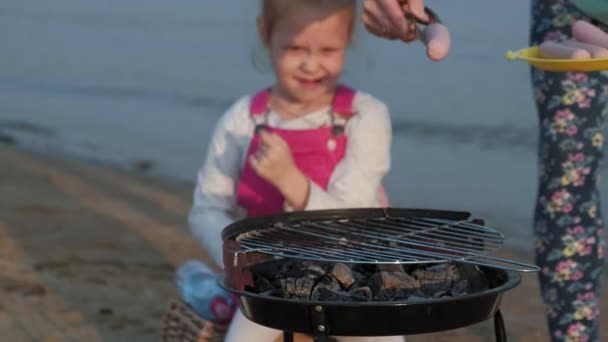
(568, 222)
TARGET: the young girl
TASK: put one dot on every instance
(305, 143)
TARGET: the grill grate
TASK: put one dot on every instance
(384, 240)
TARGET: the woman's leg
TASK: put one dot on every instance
(568, 222)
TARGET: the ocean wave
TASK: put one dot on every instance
(26, 127)
(484, 136)
(149, 95)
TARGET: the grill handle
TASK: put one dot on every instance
(502, 264)
(237, 263)
(244, 259)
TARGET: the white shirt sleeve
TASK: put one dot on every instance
(357, 178)
(214, 200)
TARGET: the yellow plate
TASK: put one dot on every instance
(530, 55)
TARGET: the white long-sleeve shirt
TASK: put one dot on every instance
(354, 182)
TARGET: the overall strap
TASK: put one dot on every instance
(259, 102)
(342, 108)
(343, 102)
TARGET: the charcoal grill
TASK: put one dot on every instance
(369, 236)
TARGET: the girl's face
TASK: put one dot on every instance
(307, 46)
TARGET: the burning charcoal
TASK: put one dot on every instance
(396, 280)
(386, 295)
(326, 294)
(440, 294)
(316, 268)
(323, 281)
(460, 288)
(437, 279)
(363, 274)
(417, 297)
(262, 284)
(308, 269)
(390, 295)
(475, 277)
(268, 269)
(391, 267)
(329, 283)
(292, 278)
(343, 274)
(440, 267)
(365, 292)
(299, 288)
(365, 268)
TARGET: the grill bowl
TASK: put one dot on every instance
(355, 318)
(377, 318)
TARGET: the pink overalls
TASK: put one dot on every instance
(316, 152)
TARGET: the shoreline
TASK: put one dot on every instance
(47, 146)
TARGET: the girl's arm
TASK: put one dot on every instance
(214, 199)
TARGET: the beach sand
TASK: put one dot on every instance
(87, 253)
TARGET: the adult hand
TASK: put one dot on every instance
(386, 19)
(589, 41)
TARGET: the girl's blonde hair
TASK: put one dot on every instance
(271, 10)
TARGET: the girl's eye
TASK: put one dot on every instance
(330, 50)
(294, 48)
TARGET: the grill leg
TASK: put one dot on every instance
(287, 336)
(499, 327)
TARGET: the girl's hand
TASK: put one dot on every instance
(274, 163)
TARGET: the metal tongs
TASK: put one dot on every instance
(413, 31)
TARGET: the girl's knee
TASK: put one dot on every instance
(242, 329)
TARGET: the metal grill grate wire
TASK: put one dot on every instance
(376, 240)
